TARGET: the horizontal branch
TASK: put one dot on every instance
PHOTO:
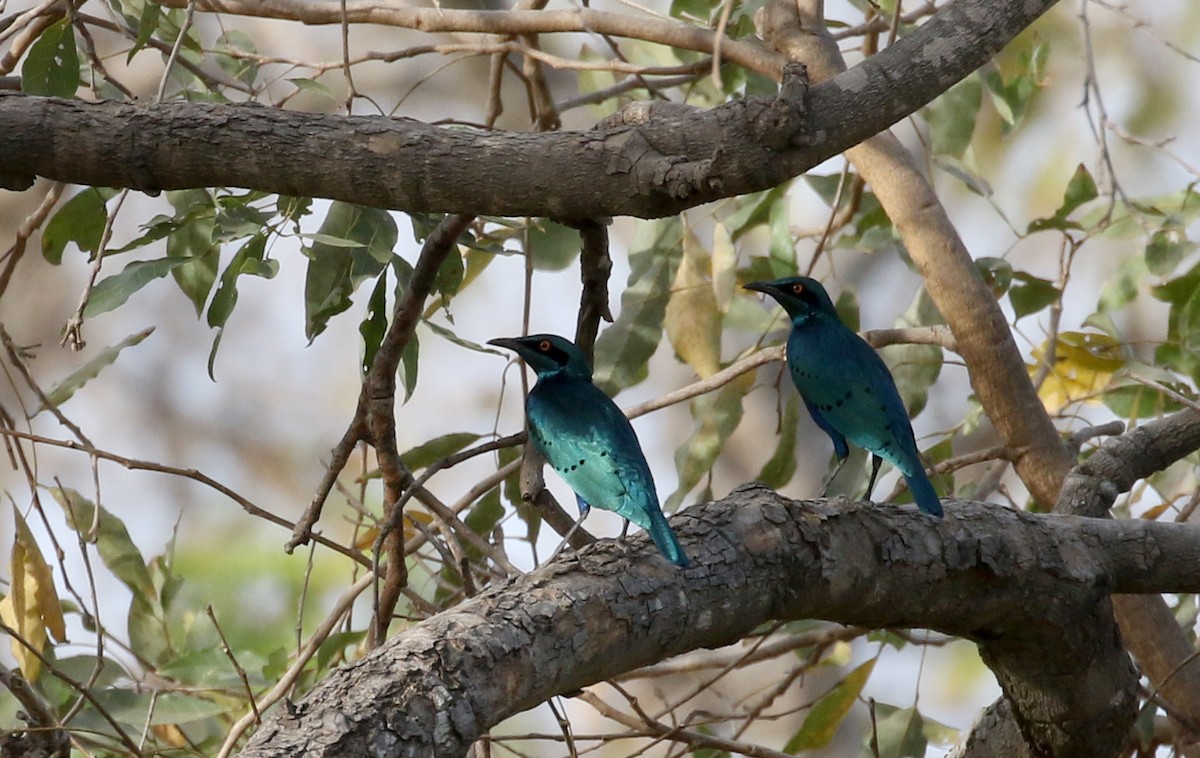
(610, 608)
(675, 160)
(748, 53)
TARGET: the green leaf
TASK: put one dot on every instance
(450, 274)
(243, 69)
(113, 291)
(551, 246)
(447, 334)
(374, 326)
(716, 416)
(1122, 289)
(782, 247)
(51, 67)
(624, 349)
(1167, 247)
(486, 513)
(952, 117)
(755, 210)
(827, 714)
(354, 244)
(692, 320)
(900, 733)
(969, 178)
(1011, 96)
(335, 646)
(112, 540)
(425, 455)
(409, 363)
(63, 391)
(1181, 351)
(1080, 189)
(80, 220)
(313, 87)
(247, 260)
(238, 220)
(1030, 294)
(193, 241)
(147, 24)
(1135, 401)
(997, 273)
(915, 367)
(780, 469)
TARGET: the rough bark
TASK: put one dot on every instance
(1154, 636)
(985, 343)
(1019, 584)
(658, 168)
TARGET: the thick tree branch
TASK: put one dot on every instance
(1155, 637)
(610, 608)
(654, 169)
(983, 338)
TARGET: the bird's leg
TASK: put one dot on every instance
(624, 529)
(584, 510)
(876, 462)
(829, 479)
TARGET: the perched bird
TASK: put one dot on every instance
(846, 387)
(587, 439)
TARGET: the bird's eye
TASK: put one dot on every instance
(797, 289)
(544, 346)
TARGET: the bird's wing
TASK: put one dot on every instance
(853, 391)
(590, 443)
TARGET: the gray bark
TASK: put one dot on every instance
(1019, 584)
(654, 169)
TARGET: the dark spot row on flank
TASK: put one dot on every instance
(577, 465)
(839, 403)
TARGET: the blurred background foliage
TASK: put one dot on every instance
(227, 332)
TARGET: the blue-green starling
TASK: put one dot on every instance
(584, 436)
(846, 387)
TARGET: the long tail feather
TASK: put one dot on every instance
(665, 540)
(923, 492)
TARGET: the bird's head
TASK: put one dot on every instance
(547, 353)
(800, 296)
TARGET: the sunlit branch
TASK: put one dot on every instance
(675, 34)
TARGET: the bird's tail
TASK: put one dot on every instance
(665, 540)
(923, 492)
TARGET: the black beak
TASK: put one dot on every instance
(766, 287)
(510, 343)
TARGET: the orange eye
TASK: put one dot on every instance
(797, 289)
(544, 346)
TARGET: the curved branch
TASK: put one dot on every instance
(1093, 486)
(654, 169)
(609, 608)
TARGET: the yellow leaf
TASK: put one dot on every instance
(46, 595)
(170, 734)
(1155, 512)
(33, 606)
(1084, 364)
(724, 267)
(692, 320)
(366, 539)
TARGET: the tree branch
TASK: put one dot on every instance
(654, 169)
(607, 609)
(748, 53)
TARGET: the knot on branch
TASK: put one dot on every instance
(784, 124)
